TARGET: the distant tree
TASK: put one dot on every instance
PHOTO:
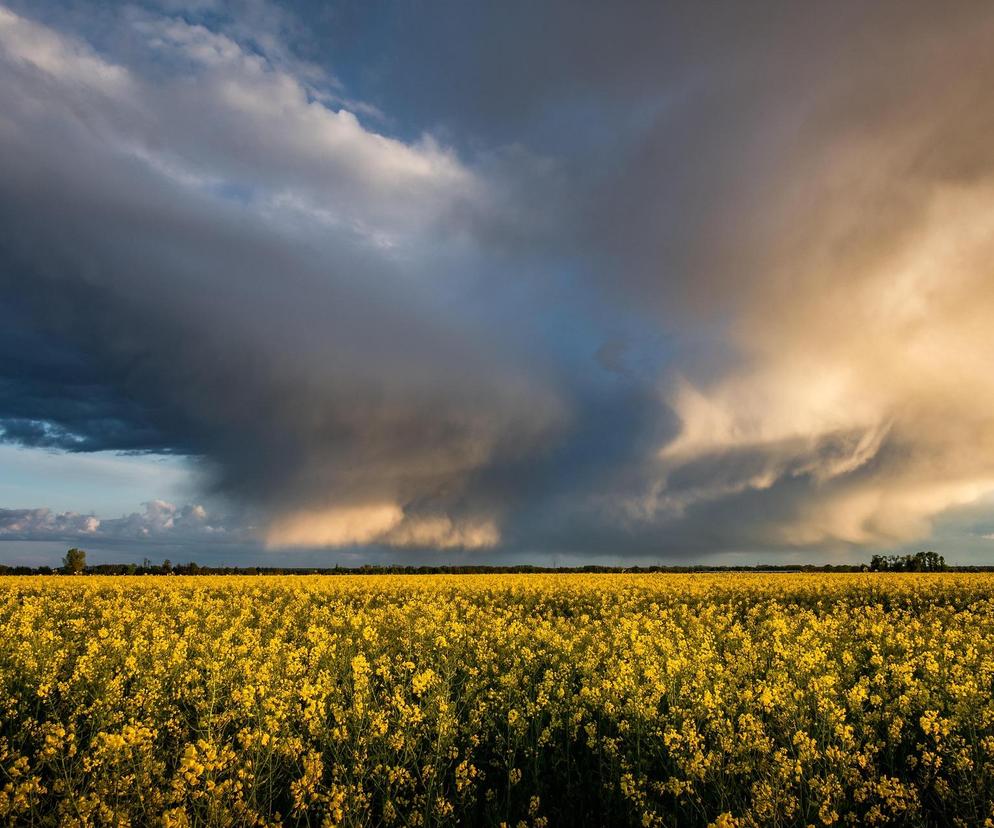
(167, 566)
(74, 562)
(927, 561)
(930, 562)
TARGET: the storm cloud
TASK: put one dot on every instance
(647, 281)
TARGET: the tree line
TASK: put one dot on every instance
(74, 563)
(919, 562)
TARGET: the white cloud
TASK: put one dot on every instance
(159, 520)
(229, 118)
(59, 58)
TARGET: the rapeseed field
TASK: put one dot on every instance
(523, 700)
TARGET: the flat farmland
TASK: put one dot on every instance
(529, 700)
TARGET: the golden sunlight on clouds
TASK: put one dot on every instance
(441, 532)
(869, 381)
(379, 523)
(334, 527)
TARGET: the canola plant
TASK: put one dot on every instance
(518, 700)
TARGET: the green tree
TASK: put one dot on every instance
(74, 562)
(925, 561)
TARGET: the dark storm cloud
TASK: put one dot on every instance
(53, 397)
(302, 337)
(566, 277)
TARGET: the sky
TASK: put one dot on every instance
(305, 284)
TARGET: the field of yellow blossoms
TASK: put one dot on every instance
(525, 700)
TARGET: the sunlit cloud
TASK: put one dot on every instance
(379, 523)
(866, 370)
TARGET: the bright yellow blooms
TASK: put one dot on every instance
(535, 700)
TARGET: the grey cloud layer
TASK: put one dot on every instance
(370, 340)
